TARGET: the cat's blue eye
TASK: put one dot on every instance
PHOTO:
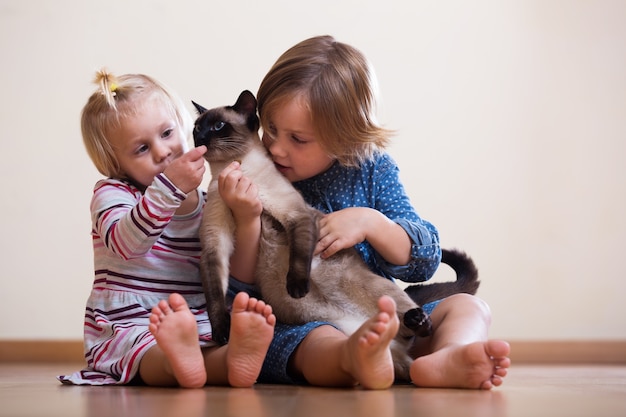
(218, 125)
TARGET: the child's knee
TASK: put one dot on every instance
(469, 304)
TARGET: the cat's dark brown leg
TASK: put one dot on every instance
(303, 236)
(214, 291)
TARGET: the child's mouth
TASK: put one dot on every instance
(281, 168)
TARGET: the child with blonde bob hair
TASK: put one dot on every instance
(146, 319)
(317, 110)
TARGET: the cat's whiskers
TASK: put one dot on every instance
(229, 146)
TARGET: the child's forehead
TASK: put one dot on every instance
(136, 114)
(298, 102)
(146, 102)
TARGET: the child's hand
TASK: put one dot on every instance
(187, 171)
(342, 229)
(239, 193)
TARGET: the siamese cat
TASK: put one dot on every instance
(300, 287)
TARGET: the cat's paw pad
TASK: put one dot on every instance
(417, 320)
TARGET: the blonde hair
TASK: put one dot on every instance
(339, 86)
(115, 99)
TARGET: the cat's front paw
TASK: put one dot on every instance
(297, 288)
(417, 320)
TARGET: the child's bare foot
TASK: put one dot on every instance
(479, 365)
(251, 332)
(367, 356)
(174, 327)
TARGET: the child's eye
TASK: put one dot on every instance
(167, 133)
(271, 129)
(269, 133)
(142, 149)
(298, 140)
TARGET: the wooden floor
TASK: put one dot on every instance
(530, 391)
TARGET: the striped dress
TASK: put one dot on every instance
(142, 253)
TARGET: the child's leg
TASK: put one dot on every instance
(327, 357)
(178, 360)
(459, 355)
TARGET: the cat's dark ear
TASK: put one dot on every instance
(246, 103)
(198, 107)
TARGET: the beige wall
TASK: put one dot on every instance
(511, 118)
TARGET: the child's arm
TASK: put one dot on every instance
(129, 221)
(350, 226)
(386, 230)
(241, 196)
(400, 248)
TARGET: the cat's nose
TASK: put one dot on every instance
(199, 137)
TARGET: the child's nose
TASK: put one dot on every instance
(161, 152)
(275, 147)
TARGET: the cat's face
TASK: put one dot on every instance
(228, 131)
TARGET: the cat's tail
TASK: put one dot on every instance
(466, 279)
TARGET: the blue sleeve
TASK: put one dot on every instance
(391, 200)
(425, 254)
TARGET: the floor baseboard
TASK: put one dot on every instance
(50, 351)
(522, 351)
(569, 351)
